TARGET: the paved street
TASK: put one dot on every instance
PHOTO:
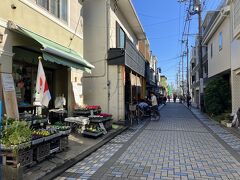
(177, 147)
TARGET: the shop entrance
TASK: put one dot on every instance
(25, 67)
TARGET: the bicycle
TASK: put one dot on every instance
(189, 104)
(132, 114)
(155, 114)
(143, 112)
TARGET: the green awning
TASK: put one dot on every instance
(57, 53)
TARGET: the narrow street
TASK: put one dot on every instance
(178, 146)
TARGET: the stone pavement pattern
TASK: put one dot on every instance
(176, 147)
(225, 135)
(86, 168)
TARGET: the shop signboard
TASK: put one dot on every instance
(103, 128)
(8, 83)
(77, 92)
(9, 94)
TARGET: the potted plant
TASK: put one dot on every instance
(16, 136)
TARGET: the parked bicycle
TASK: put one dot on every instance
(132, 114)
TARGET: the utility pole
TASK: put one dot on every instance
(179, 78)
(198, 6)
(183, 74)
(188, 93)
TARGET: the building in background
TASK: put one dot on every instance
(112, 36)
(194, 60)
(217, 39)
(152, 83)
(163, 85)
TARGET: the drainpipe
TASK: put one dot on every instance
(108, 6)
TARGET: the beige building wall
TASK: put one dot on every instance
(105, 87)
(95, 86)
(29, 15)
(221, 59)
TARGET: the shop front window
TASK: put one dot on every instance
(25, 76)
(22, 75)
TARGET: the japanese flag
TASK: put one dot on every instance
(42, 91)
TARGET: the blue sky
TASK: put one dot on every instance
(163, 22)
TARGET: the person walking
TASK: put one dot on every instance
(189, 100)
(164, 100)
(174, 98)
(168, 98)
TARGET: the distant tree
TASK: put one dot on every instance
(217, 96)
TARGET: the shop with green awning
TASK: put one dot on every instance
(63, 66)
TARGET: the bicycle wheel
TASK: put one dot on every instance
(129, 119)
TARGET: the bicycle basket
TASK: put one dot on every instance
(132, 107)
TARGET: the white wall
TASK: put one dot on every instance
(220, 61)
(235, 54)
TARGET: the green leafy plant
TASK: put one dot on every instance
(15, 134)
(217, 96)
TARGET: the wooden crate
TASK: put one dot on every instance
(11, 173)
(24, 157)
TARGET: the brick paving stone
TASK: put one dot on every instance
(176, 147)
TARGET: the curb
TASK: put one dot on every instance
(59, 170)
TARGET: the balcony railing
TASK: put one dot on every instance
(129, 56)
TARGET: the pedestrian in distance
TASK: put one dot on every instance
(168, 98)
(164, 100)
(189, 101)
(174, 98)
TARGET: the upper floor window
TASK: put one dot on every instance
(121, 37)
(59, 8)
(211, 50)
(220, 41)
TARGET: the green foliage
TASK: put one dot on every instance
(15, 134)
(217, 96)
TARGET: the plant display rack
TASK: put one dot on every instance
(23, 157)
(92, 134)
(35, 152)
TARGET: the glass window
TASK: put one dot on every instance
(120, 37)
(43, 3)
(54, 7)
(211, 50)
(59, 8)
(64, 10)
(220, 39)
